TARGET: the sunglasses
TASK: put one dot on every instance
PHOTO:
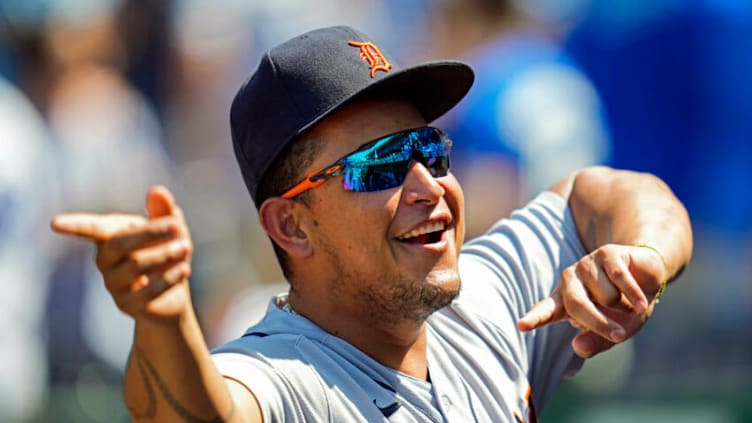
(383, 163)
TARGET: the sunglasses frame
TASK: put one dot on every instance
(319, 177)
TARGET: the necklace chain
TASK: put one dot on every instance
(288, 308)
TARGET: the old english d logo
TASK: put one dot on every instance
(372, 55)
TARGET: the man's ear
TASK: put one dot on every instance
(280, 219)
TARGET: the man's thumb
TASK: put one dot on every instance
(160, 202)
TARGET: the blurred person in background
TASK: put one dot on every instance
(532, 117)
(29, 190)
(107, 146)
(674, 76)
(210, 43)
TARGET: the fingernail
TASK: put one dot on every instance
(582, 353)
(167, 227)
(172, 274)
(641, 305)
(185, 270)
(141, 282)
(60, 220)
(178, 248)
(172, 228)
(582, 347)
(617, 335)
(176, 273)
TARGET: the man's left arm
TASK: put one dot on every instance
(638, 237)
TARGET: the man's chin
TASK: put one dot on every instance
(410, 299)
(442, 286)
(434, 298)
(446, 279)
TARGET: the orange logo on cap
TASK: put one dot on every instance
(371, 54)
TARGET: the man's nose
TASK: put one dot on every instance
(421, 186)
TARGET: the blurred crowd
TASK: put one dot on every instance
(101, 99)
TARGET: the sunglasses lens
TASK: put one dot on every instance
(438, 166)
(384, 165)
(375, 177)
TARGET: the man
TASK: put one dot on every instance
(355, 193)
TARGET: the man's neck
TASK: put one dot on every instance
(399, 346)
(403, 349)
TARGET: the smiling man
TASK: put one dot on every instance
(388, 317)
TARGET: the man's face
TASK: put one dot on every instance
(391, 254)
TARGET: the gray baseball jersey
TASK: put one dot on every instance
(481, 367)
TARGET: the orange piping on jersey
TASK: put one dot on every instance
(529, 398)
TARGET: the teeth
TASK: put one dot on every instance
(425, 229)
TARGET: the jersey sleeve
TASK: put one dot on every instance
(257, 379)
(514, 265)
(284, 395)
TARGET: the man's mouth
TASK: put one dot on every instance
(429, 233)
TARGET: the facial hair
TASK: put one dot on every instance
(400, 299)
(393, 299)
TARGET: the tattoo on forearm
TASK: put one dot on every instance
(145, 366)
(151, 409)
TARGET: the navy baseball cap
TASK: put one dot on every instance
(302, 81)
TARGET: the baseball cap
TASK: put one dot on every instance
(303, 80)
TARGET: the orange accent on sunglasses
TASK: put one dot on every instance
(312, 180)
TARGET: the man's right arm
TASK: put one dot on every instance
(170, 376)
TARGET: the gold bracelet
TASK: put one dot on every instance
(665, 268)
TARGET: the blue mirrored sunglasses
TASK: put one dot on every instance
(383, 163)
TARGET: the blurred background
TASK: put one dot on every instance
(100, 99)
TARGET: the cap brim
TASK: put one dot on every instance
(434, 88)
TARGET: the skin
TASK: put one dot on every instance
(354, 278)
(615, 212)
(358, 281)
(145, 262)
